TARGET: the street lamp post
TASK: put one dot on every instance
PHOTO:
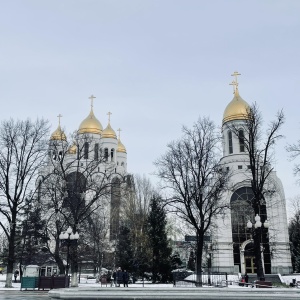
(68, 237)
(257, 234)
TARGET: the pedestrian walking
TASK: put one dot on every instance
(119, 276)
(16, 275)
(125, 278)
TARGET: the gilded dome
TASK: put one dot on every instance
(121, 147)
(237, 109)
(108, 132)
(90, 124)
(72, 149)
(58, 135)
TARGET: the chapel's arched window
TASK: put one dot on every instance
(230, 146)
(241, 212)
(96, 151)
(86, 150)
(241, 140)
(105, 154)
(112, 154)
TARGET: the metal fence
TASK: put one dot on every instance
(206, 278)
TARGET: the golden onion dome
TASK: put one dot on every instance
(72, 149)
(108, 132)
(58, 135)
(237, 109)
(121, 147)
(90, 124)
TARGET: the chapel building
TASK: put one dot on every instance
(232, 241)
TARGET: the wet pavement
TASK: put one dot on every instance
(23, 295)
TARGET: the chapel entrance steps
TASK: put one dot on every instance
(274, 278)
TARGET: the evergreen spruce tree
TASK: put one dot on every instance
(31, 238)
(161, 250)
(124, 253)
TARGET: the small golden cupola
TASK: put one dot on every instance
(72, 149)
(58, 134)
(90, 124)
(108, 132)
(121, 147)
(238, 108)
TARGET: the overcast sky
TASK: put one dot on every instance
(155, 64)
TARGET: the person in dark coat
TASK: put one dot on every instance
(16, 274)
(119, 276)
(125, 278)
(246, 278)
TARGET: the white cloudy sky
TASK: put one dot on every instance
(155, 64)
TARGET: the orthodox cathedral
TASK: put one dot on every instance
(232, 242)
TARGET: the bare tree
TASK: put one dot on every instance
(195, 180)
(22, 153)
(78, 182)
(259, 149)
(135, 210)
(294, 150)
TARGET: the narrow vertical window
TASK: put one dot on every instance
(112, 154)
(86, 150)
(105, 154)
(241, 140)
(230, 148)
(96, 152)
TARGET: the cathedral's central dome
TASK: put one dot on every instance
(90, 124)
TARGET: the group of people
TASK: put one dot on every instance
(120, 277)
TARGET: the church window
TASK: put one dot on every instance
(86, 150)
(241, 140)
(230, 147)
(112, 154)
(96, 152)
(241, 212)
(105, 154)
(240, 167)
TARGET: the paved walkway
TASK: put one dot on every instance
(23, 295)
(175, 293)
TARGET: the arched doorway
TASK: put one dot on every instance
(241, 213)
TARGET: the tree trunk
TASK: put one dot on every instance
(199, 260)
(11, 250)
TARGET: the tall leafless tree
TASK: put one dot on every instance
(194, 179)
(294, 150)
(259, 146)
(74, 188)
(22, 153)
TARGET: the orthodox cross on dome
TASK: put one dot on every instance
(119, 132)
(92, 97)
(235, 82)
(59, 116)
(109, 113)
